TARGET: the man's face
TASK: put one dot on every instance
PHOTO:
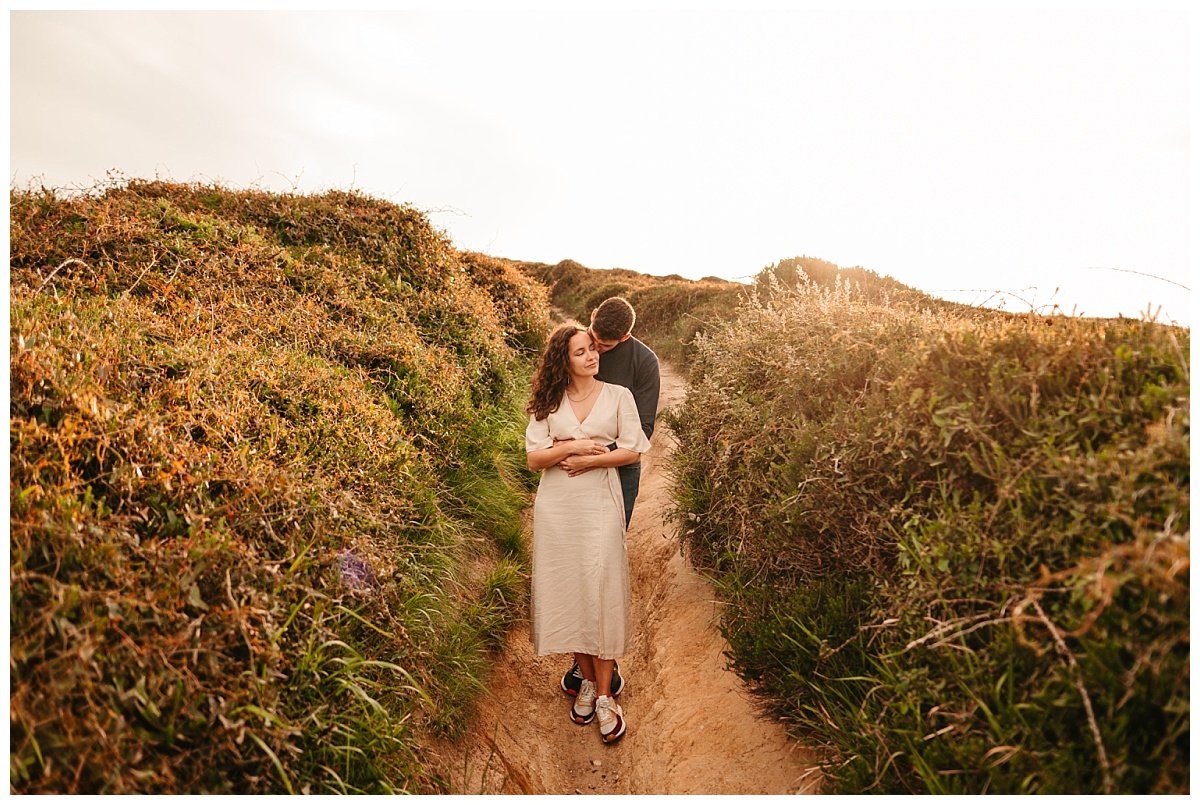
(603, 344)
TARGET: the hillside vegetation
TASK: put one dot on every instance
(954, 548)
(953, 542)
(266, 474)
(670, 310)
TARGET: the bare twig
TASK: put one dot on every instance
(1142, 273)
(1183, 361)
(150, 265)
(61, 266)
(948, 626)
(1061, 645)
(982, 624)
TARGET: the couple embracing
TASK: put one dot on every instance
(591, 415)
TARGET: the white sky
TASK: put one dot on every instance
(1005, 151)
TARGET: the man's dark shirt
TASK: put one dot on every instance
(634, 365)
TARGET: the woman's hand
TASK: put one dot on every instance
(581, 453)
(577, 465)
(562, 449)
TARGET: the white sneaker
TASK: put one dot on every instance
(584, 708)
(611, 718)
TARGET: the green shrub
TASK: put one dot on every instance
(955, 547)
(254, 438)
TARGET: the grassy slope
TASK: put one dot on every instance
(670, 310)
(954, 541)
(956, 547)
(260, 537)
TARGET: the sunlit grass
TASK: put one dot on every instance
(265, 523)
(954, 543)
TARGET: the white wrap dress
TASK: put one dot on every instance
(580, 598)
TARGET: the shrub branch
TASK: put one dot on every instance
(1077, 676)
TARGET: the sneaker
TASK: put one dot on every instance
(611, 718)
(573, 679)
(584, 708)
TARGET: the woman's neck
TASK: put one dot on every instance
(581, 384)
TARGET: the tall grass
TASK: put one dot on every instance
(262, 499)
(672, 311)
(955, 548)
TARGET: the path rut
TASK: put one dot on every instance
(693, 726)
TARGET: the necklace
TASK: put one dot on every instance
(595, 385)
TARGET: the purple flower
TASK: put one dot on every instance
(356, 572)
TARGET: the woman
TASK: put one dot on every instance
(580, 569)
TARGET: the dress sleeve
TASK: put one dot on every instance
(537, 434)
(629, 427)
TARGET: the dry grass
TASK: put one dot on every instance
(241, 424)
(956, 547)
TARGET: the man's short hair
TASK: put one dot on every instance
(614, 319)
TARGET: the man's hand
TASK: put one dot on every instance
(582, 447)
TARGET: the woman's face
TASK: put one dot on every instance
(584, 360)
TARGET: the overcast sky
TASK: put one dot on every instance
(963, 153)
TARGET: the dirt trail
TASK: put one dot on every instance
(693, 727)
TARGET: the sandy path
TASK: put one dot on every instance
(693, 727)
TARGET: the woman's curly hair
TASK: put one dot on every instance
(552, 376)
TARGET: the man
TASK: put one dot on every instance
(625, 361)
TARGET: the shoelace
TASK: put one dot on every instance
(587, 694)
(606, 710)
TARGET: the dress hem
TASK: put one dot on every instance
(598, 655)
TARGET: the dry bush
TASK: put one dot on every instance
(522, 302)
(244, 558)
(955, 547)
